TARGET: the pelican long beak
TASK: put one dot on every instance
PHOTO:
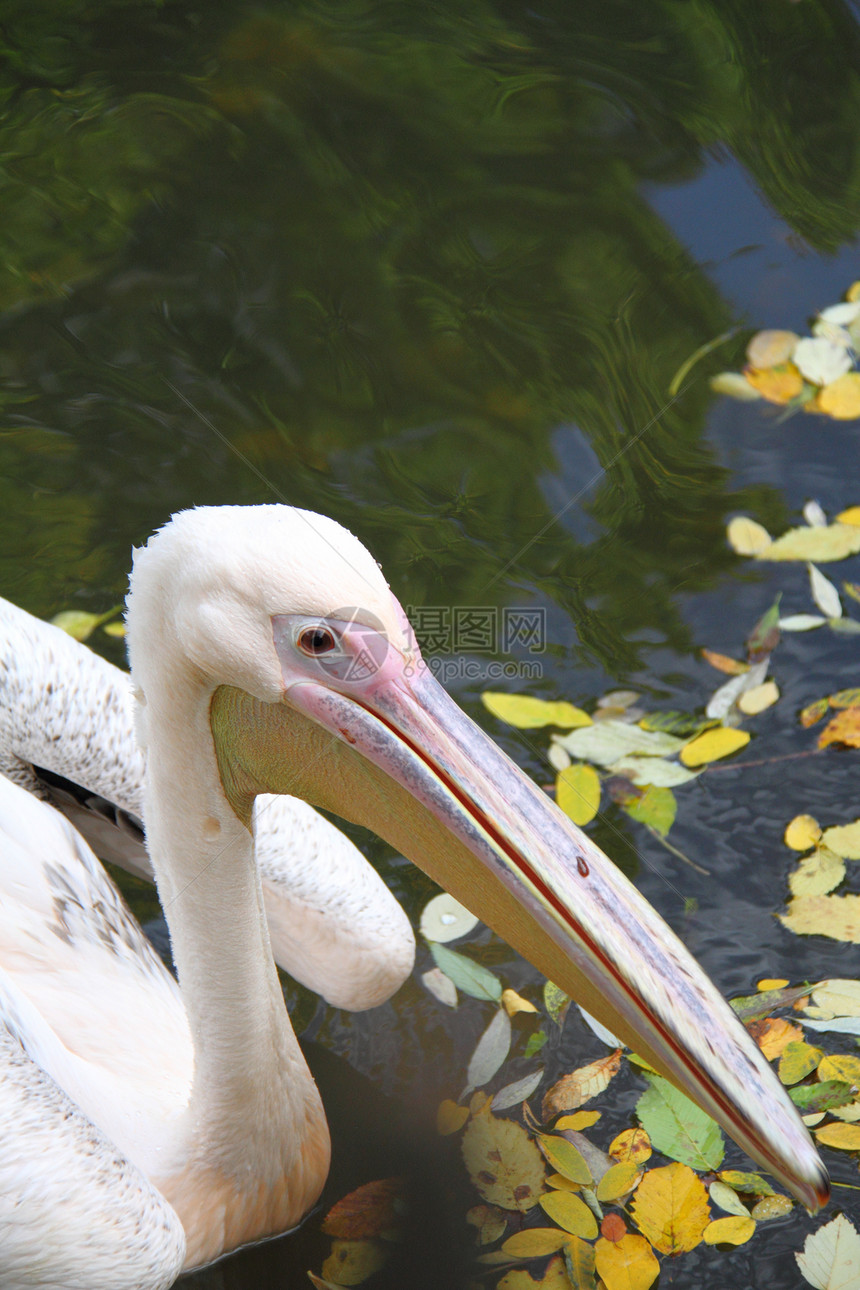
(407, 763)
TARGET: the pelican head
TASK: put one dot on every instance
(316, 688)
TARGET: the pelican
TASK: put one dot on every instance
(333, 924)
(155, 1127)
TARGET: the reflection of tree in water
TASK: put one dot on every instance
(388, 253)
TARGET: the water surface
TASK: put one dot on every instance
(430, 270)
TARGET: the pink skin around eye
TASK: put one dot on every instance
(362, 660)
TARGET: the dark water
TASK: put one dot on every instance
(430, 269)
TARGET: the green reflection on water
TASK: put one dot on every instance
(395, 261)
(386, 253)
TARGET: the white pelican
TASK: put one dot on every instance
(153, 1130)
(333, 924)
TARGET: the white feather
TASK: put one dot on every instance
(333, 923)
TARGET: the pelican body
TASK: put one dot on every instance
(268, 655)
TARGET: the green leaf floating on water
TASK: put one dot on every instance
(678, 1128)
(535, 1043)
(653, 772)
(812, 1098)
(467, 975)
(555, 1001)
(611, 740)
(656, 807)
(80, 624)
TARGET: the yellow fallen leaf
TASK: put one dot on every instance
(798, 1060)
(771, 983)
(528, 713)
(670, 1207)
(771, 1207)
(722, 662)
(840, 1066)
(493, 1257)
(733, 1230)
(570, 1212)
(836, 997)
(841, 398)
(450, 1117)
(479, 1102)
(778, 384)
(618, 1181)
(631, 1145)
(844, 698)
(628, 1264)
(768, 348)
(727, 1199)
(820, 545)
(813, 712)
(740, 1180)
(802, 833)
(830, 1256)
(579, 1258)
(444, 919)
(514, 1003)
(773, 1034)
(578, 1121)
(581, 1085)
(853, 292)
(734, 385)
(319, 1284)
(577, 791)
(817, 873)
(753, 701)
(352, 1262)
(536, 1242)
(554, 1278)
(503, 1162)
(850, 1113)
(489, 1220)
(746, 536)
(844, 839)
(845, 1137)
(712, 745)
(844, 728)
(835, 916)
(851, 516)
(560, 1183)
(565, 1158)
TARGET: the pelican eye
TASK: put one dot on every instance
(316, 641)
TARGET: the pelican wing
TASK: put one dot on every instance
(333, 924)
(83, 990)
(74, 1212)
